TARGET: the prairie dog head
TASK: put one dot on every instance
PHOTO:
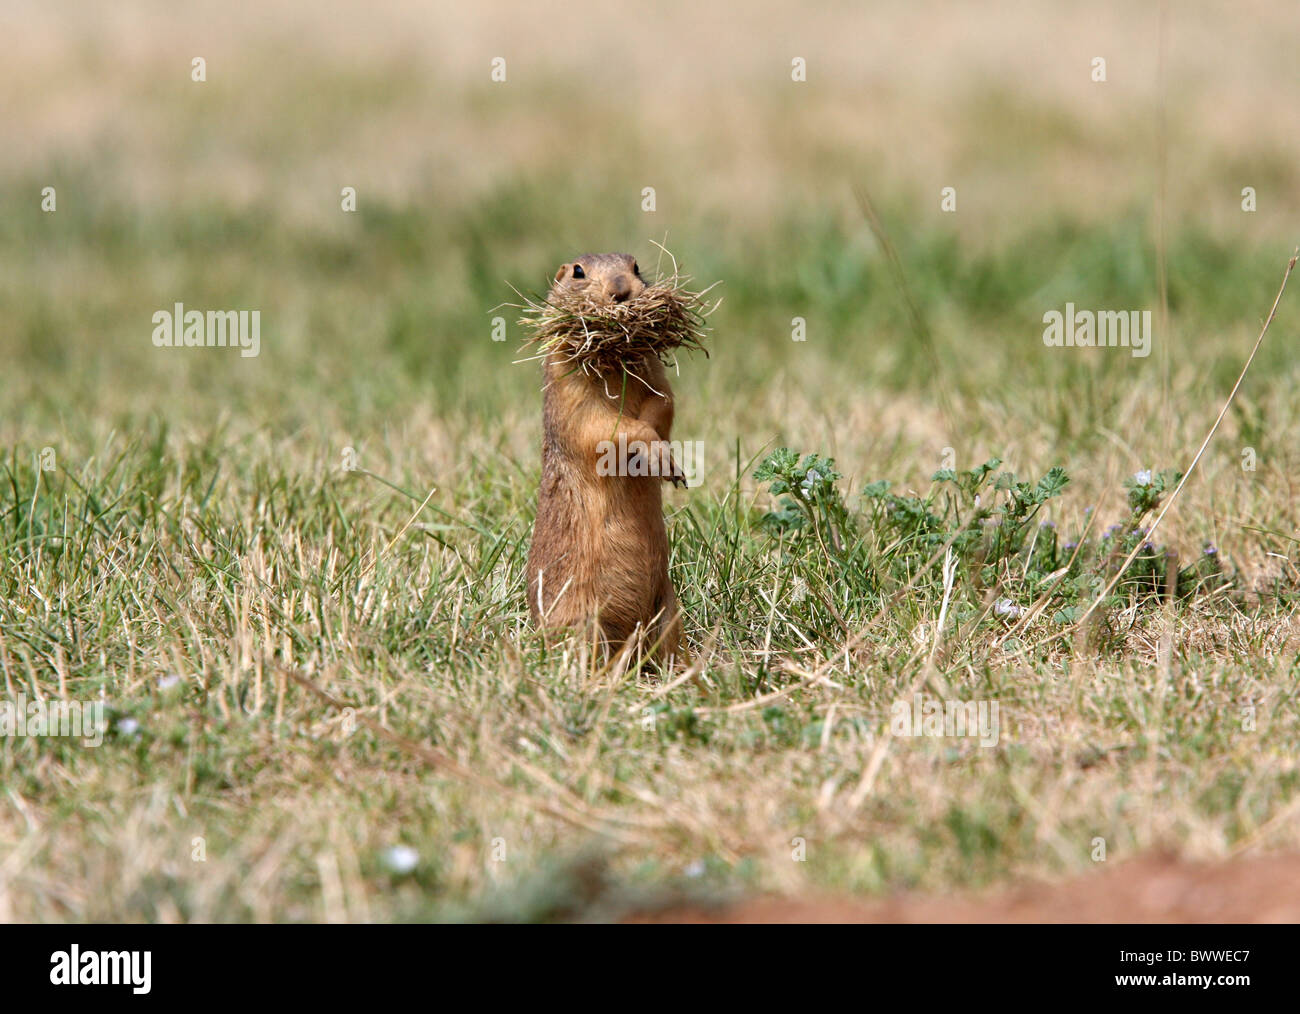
(606, 278)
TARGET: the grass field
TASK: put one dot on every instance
(296, 580)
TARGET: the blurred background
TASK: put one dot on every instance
(226, 193)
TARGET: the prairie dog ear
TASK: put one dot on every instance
(560, 274)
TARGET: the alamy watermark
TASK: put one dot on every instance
(932, 717)
(189, 329)
(75, 967)
(651, 458)
(82, 720)
(1129, 329)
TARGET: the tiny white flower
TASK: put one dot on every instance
(1143, 478)
(695, 869)
(1005, 607)
(128, 726)
(168, 681)
(400, 858)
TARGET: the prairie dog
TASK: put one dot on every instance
(600, 548)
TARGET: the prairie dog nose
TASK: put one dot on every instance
(619, 288)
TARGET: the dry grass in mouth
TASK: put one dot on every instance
(606, 338)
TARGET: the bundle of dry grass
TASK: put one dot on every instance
(607, 338)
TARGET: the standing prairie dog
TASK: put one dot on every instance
(600, 549)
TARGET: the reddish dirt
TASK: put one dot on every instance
(1148, 890)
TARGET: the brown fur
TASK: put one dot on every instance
(600, 549)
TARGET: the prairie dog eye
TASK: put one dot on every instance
(578, 272)
(636, 269)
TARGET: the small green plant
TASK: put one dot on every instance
(812, 502)
(988, 519)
